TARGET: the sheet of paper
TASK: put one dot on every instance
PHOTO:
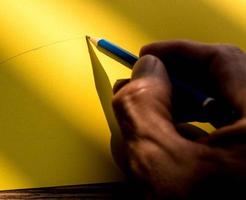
(54, 115)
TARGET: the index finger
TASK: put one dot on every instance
(184, 48)
(218, 69)
(186, 60)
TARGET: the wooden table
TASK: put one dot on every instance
(119, 190)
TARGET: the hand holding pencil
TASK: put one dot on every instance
(189, 101)
(159, 154)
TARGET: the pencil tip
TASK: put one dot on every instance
(92, 40)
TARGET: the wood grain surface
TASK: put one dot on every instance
(119, 190)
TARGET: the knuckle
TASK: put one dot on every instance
(227, 61)
(131, 94)
(227, 50)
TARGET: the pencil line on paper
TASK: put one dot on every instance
(37, 48)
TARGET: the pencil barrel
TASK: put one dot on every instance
(117, 51)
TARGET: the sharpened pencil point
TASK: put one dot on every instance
(93, 40)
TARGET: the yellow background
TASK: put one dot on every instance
(52, 126)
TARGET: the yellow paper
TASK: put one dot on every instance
(53, 124)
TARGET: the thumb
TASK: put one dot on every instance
(143, 106)
(152, 83)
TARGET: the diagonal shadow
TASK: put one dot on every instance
(105, 94)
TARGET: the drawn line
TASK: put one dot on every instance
(37, 48)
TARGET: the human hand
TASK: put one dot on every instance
(157, 152)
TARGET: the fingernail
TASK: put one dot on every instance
(146, 66)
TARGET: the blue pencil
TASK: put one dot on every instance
(115, 52)
(213, 111)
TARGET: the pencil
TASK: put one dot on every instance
(114, 51)
(217, 113)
